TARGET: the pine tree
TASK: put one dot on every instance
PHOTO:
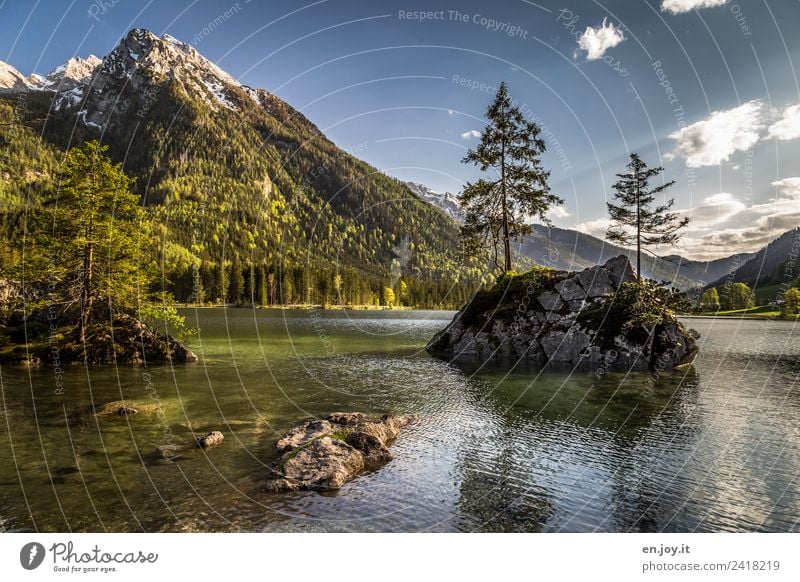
(633, 221)
(263, 290)
(93, 234)
(235, 283)
(497, 209)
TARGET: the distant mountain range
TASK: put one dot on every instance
(572, 250)
(568, 249)
(447, 202)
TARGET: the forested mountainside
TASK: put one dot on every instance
(774, 265)
(242, 190)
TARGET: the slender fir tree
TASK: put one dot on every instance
(634, 221)
(498, 208)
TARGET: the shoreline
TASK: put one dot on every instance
(310, 307)
(760, 316)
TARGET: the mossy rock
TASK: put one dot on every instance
(124, 408)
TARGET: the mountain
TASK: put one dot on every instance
(11, 79)
(241, 188)
(572, 250)
(447, 202)
(774, 265)
(76, 71)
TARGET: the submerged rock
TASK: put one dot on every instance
(563, 319)
(126, 408)
(324, 454)
(213, 438)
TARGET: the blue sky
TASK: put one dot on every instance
(709, 93)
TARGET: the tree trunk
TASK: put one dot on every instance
(86, 291)
(506, 240)
(638, 231)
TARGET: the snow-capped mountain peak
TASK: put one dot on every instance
(142, 56)
(74, 72)
(98, 90)
(11, 78)
(446, 202)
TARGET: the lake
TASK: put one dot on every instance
(712, 448)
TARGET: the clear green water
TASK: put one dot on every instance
(711, 449)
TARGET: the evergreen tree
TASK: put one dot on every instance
(93, 236)
(263, 291)
(287, 289)
(235, 283)
(388, 297)
(497, 208)
(633, 221)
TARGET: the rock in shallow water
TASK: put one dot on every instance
(561, 319)
(126, 408)
(213, 438)
(324, 454)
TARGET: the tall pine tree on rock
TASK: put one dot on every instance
(633, 220)
(497, 208)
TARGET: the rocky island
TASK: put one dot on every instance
(325, 453)
(33, 333)
(600, 317)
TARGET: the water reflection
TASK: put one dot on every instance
(582, 435)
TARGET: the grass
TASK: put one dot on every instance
(759, 312)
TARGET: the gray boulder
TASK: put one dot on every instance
(561, 319)
(597, 282)
(325, 463)
(570, 290)
(326, 453)
(550, 301)
(620, 271)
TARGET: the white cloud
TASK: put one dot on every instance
(558, 212)
(470, 134)
(596, 41)
(712, 141)
(679, 6)
(595, 227)
(788, 127)
(713, 210)
(789, 187)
